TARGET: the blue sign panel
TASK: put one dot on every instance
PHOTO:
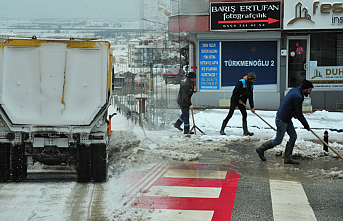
(209, 65)
(240, 58)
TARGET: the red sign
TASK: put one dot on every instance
(300, 50)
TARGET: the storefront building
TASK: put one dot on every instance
(316, 27)
(283, 42)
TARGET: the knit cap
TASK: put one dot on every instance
(251, 75)
(305, 84)
(192, 75)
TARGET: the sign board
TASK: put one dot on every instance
(241, 57)
(309, 14)
(245, 15)
(326, 77)
(209, 65)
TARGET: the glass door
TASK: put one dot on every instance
(297, 60)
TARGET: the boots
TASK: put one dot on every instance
(288, 154)
(177, 125)
(260, 151)
(245, 130)
(186, 130)
(222, 129)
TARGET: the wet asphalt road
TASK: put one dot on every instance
(253, 198)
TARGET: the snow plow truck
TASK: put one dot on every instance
(54, 96)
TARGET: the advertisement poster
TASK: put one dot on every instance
(245, 15)
(241, 57)
(209, 65)
(326, 77)
(309, 15)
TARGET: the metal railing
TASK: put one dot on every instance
(150, 100)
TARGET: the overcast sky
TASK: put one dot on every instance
(70, 9)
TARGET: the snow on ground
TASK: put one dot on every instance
(171, 145)
(132, 146)
(170, 140)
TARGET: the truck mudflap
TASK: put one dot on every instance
(92, 163)
(12, 162)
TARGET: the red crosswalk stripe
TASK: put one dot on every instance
(222, 206)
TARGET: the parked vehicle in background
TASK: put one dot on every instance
(172, 76)
(176, 66)
(166, 67)
(185, 68)
(158, 69)
(53, 106)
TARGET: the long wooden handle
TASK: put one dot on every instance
(193, 121)
(260, 118)
(326, 144)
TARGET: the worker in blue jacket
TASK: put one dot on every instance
(242, 91)
(291, 106)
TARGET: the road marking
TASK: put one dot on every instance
(289, 200)
(191, 191)
(199, 174)
(153, 170)
(177, 215)
(143, 185)
(184, 191)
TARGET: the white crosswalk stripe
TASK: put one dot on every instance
(177, 215)
(289, 200)
(184, 191)
(204, 174)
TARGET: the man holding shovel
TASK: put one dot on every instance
(242, 91)
(291, 106)
(184, 100)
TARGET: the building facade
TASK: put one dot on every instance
(283, 42)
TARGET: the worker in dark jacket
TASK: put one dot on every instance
(291, 106)
(184, 100)
(242, 91)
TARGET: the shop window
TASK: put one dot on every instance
(324, 49)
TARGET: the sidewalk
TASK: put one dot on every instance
(118, 121)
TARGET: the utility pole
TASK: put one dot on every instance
(179, 24)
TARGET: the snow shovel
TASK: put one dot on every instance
(326, 144)
(145, 137)
(194, 126)
(260, 118)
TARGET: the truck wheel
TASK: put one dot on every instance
(84, 163)
(4, 162)
(18, 163)
(99, 163)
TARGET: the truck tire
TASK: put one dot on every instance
(18, 166)
(99, 163)
(84, 163)
(4, 162)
